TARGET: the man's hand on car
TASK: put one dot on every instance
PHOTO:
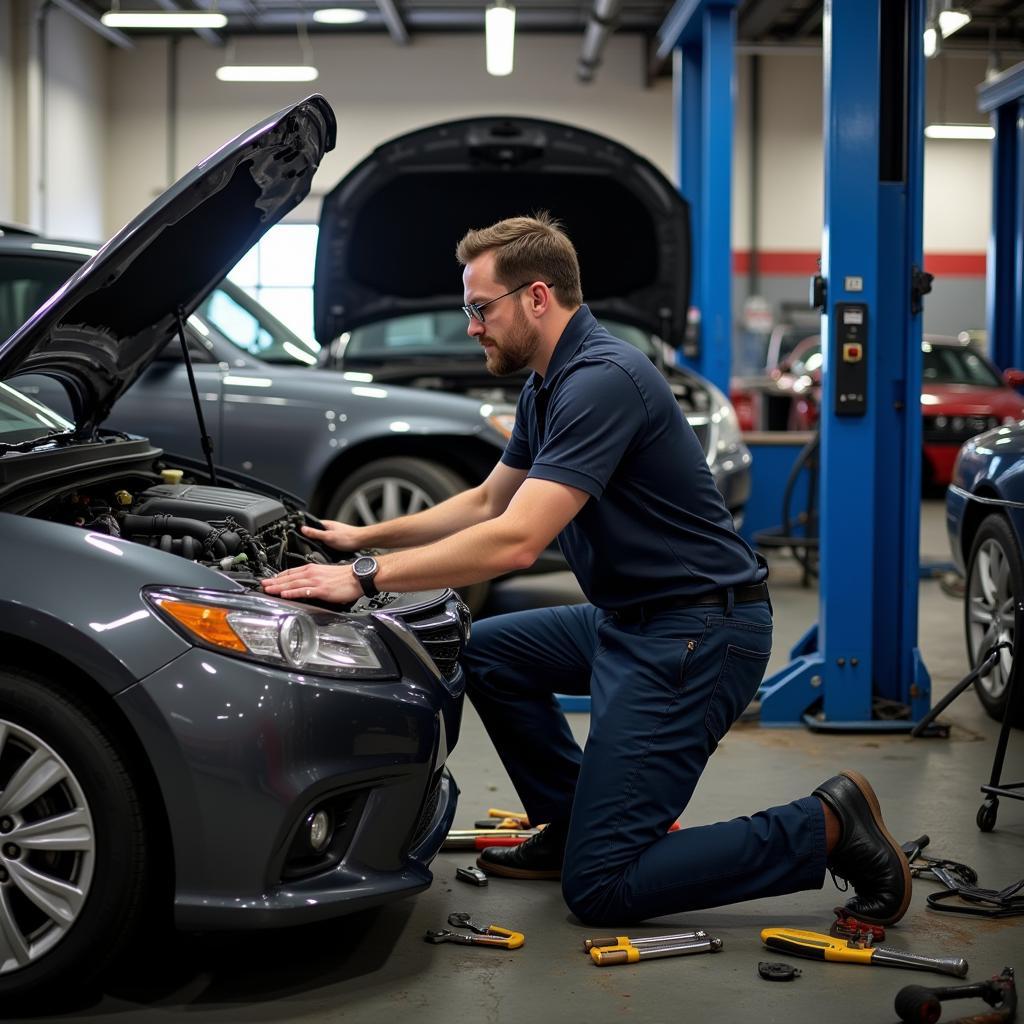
(340, 536)
(334, 583)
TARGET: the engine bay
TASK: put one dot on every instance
(246, 535)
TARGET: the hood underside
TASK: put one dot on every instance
(389, 229)
(99, 331)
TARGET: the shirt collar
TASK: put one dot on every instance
(580, 324)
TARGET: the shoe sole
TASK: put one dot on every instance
(876, 812)
(504, 872)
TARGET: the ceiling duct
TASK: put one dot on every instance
(600, 25)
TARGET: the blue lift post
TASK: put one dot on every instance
(860, 663)
(1003, 99)
(701, 35)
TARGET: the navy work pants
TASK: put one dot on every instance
(664, 691)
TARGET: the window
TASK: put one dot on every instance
(26, 282)
(945, 364)
(278, 272)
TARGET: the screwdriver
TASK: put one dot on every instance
(816, 946)
(631, 954)
(646, 940)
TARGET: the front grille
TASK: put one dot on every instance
(429, 810)
(443, 630)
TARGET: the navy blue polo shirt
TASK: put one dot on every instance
(604, 420)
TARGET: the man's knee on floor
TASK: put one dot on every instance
(595, 901)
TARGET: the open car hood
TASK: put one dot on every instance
(389, 229)
(107, 323)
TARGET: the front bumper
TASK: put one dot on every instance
(243, 753)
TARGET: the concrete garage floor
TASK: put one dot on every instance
(376, 967)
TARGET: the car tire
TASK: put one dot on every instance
(90, 872)
(992, 601)
(399, 485)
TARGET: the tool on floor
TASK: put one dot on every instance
(472, 875)
(1008, 902)
(950, 873)
(816, 946)
(479, 839)
(516, 819)
(916, 1004)
(491, 935)
(628, 954)
(606, 941)
(775, 971)
(856, 932)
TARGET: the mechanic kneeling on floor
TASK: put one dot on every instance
(671, 646)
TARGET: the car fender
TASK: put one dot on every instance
(316, 417)
(80, 594)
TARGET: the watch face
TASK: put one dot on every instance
(364, 565)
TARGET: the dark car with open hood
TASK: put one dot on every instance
(168, 734)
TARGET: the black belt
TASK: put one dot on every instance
(740, 595)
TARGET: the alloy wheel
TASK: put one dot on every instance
(47, 848)
(991, 610)
(382, 498)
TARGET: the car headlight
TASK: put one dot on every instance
(725, 424)
(276, 632)
(502, 418)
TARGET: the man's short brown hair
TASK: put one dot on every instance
(528, 249)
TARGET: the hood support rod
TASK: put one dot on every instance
(204, 437)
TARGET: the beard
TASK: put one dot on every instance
(516, 350)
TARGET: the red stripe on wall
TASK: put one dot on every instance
(782, 264)
(955, 264)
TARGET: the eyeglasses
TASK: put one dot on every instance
(475, 310)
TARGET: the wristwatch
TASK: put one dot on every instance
(364, 569)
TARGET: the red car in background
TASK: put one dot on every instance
(962, 394)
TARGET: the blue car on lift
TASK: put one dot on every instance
(985, 520)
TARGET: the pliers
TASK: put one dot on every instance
(492, 935)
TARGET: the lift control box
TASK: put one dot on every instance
(849, 364)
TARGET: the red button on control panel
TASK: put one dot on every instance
(853, 352)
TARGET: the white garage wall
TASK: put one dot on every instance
(76, 167)
(378, 90)
(6, 113)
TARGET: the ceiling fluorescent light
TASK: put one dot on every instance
(952, 20)
(931, 41)
(339, 16)
(960, 131)
(163, 19)
(500, 36)
(267, 73)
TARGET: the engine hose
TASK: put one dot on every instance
(174, 526)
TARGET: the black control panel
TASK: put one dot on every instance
(850, 358)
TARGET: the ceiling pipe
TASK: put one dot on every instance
(396, 27)
(601, 24)
(90, 20)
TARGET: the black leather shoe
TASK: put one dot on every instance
(866, 855)
(540, 856)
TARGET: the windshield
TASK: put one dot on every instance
(946, 364)
(26, 282)
(22, 419)
(252, 328)
(443, 334)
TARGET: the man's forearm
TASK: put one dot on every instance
(456, 513)
(479, 552)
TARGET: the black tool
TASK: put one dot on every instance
(472, 875)
(950, 873)
(778, 971)
(916, 1004)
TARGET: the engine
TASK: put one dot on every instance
(248, 535)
